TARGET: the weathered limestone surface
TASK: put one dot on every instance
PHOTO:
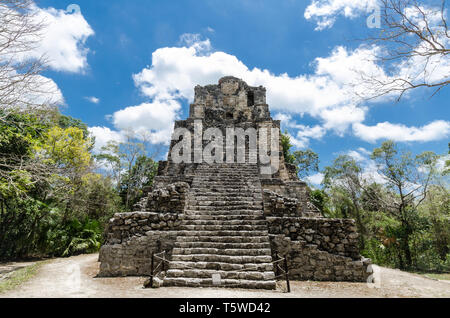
(168, 199)
(131, 239)
(308, 262)
(132, 257)
(335, 236)
(276, 204)
(230, 219)
(124, 226)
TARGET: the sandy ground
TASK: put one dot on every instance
(76, 277)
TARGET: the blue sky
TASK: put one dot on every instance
(264, 42)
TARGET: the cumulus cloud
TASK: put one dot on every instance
(324, 95)
(331, 94)
(369, 168)
(315, 179)
(103, 135)
(62, 40)
(155, 119)
(356, 155)
(324, 12)
(304, 133)
(436, 130)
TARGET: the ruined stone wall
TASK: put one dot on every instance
(131, 239)
(133, 256)
(124, 226)
(318, 248)
(277, 205)
(335, 236)
(168, 199)
(308, 262)
(280, 196)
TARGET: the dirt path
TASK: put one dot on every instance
(75, 277)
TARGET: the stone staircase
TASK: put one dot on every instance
(223, 232)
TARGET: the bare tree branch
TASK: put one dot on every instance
(416, 46)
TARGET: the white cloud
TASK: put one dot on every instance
(315, 179)
(436, 130)
(36, 91)
(103, 135)
(304, 133)
(324, 12)
(325, 95)
(369, 171)
(331, 95)
(154, 119)
(62, 40)
(93, 99)
(356, 155)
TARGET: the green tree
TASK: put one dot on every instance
(407, 178)
(306, 161)
(46, 186)
(129, 166)
(344, 178)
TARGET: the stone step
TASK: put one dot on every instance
(222, 227)
(220, 245)
(192, 215)
(236, 209)
(225, 197)
(241, 259)
(219, 251)
(220, 266)
(225, 170)
(202, 188)
(237, 173)
(224, 239)
(220, 167)
(201, 191)
(230, 202)
(228, 214)
(198, 273)
(228, 283)
(255, 233)
(239, 182)
(225, 222)
(225, 192)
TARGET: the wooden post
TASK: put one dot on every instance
(277, 264)
(287, 274)
(151, 270)
(164, 262)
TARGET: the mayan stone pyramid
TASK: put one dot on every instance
(230, 219)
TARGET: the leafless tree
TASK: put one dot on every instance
(415, 46)
(21, 86)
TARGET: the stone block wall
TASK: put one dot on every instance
(124, 226)
(168, 199)
(336, 236)
(308, 262)
(318, 248)
(131, 239)
(278, 205)
(133, 256)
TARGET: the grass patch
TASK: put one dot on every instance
(19, 277)
(439, 276)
